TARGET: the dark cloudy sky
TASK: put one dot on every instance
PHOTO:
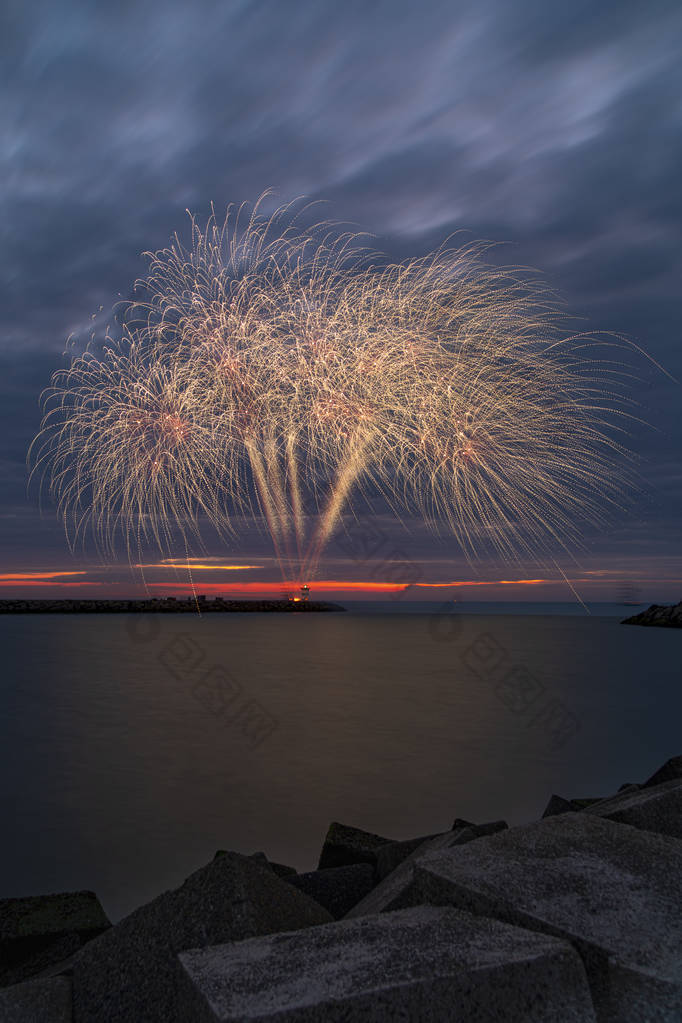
(554, 127)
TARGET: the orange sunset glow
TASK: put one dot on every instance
(337, 586)
(28, 577)
(198, 566)
(214, 577)
(259, 588)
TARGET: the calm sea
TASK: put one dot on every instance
(133, 747)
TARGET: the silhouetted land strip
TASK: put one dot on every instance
(664, 615)
(169, 605)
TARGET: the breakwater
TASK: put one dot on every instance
(164, 605)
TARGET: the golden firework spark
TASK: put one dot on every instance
(278, 371)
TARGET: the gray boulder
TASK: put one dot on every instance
(614, 891)
(397, 890)
(557, 804)
(489, 828)
(389, 856)
(425, 964)
(44, 929)
(460, 822)
(37, 1001)
(658, 808)
(383, 854)
(671, 769)
(345, 845)
(281, 869)
(338, 889)
(129, 972)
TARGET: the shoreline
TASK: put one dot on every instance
(517, 916)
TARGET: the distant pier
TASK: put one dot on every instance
(167, 605)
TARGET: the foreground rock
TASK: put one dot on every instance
(338, 889)
(425, 964)
(557, 804)
(345, 845)
(670, 770)
(37, 1001)
(281, 869)
(397, 890)
(44, 929)
(658, 808)
(658, 614)
(129, 973)
(575, 917)
(614, 891)
(388, 857)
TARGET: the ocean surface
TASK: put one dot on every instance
(133, 747)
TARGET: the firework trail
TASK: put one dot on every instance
(277, 371)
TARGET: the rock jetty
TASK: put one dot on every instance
(573, 918)
(161, 605)
(666, 615)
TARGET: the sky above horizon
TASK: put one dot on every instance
(556, 129)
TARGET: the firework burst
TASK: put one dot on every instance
(278, 372)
